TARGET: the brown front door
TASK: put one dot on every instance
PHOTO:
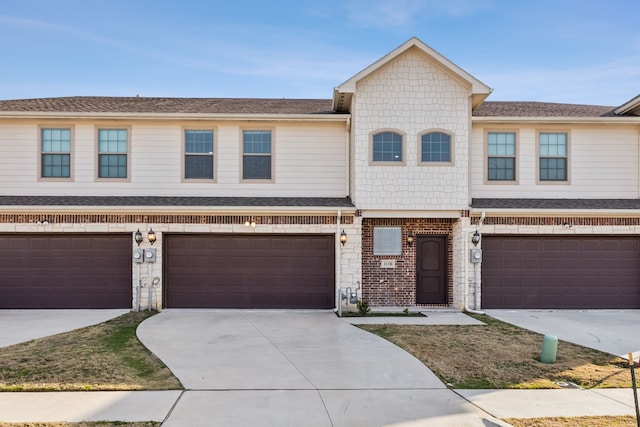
(431, 270)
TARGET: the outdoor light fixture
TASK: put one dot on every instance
(137, 236)
(251, 223)
(343, 237)
(476, 238)
(410, 238)
(151, 236)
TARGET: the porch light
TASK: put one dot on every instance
(410, 238)
(137, 236)
(343, 237)
(151, 236)
(476, 238)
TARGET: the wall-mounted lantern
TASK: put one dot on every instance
(475, 239)
(151, 236)
(137, 236)
(343, 237)
(410, 238)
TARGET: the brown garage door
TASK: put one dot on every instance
(249, 271)
(560, 272)
(65, 271)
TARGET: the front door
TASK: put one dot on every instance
(431, 270)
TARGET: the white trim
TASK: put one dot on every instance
(410, 214)
(568, 120)
(342, 117)
(501, 212)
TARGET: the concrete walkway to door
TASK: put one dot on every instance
(268, 368)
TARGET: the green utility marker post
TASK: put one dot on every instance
(549, 349)
(635, 391)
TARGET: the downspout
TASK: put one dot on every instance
(476, 285)
(338, 307)
(638, 164)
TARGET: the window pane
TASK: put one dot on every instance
(199, 167)
(256, 142)
(256, 167)
(199, 141)
(501, 144)
(56, 140)
(387, 147)
(553, 169)
(501, 169)
(436, 147)
(112, 140)
(387, 241)
(112, 166)
(56, 165)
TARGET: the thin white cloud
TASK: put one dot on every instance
(399, 14)
(610, 83)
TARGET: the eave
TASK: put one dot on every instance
(552, 120)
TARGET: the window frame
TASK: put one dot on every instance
(214, 156)
(387, 163)
(451, 161)
(270, 129)
(71, 128)
(99, 178)
(567, 156)
(516, 157)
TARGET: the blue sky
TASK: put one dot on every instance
(575, 51)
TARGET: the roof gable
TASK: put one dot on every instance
(342, 93)
(630, 108)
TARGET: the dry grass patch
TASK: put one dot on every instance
(621, 421)
(85, 424)
(107, 356)
(500, 355)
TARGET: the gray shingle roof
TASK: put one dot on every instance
(540, 109)
(104, 104)
(342, 202)
(566, 204)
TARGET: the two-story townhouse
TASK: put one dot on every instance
(254, 203)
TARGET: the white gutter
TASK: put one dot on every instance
(595, 213)
(146, 210)
(338, 307)
(340, 117)
(570, 120)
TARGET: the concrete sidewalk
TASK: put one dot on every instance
(290, 407)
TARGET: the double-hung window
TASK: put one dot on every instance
(553, 156)
(112, 153)
(435, 147)
(387, 147)
(198, 159)
(501, 156)
(257, 155)
(55, 149)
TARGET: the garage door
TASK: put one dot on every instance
(65, 271)
(256, 271)
(560, 272)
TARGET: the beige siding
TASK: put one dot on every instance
(411, 95)
(310, 161)
(603, 163)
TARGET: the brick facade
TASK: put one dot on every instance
(396, 287)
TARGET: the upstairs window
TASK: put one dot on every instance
(198, 161)
(256, 155)
(55, 150)
(435, 147)
(501, 160)
(387, 147)
(553, 156)
(112, 153)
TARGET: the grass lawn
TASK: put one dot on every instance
(85, 424)
(107, 356)
(500, 355)
(622, 421)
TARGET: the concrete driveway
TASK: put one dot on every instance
(25, 325)
(612, 331)
(292, 368)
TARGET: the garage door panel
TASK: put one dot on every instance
(65, 271)
(574, 272)
(253, 271)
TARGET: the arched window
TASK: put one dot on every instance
(387, 147)
(435, 147)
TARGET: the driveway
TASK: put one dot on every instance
(612, 331)
(280, 368)
(26, 325)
